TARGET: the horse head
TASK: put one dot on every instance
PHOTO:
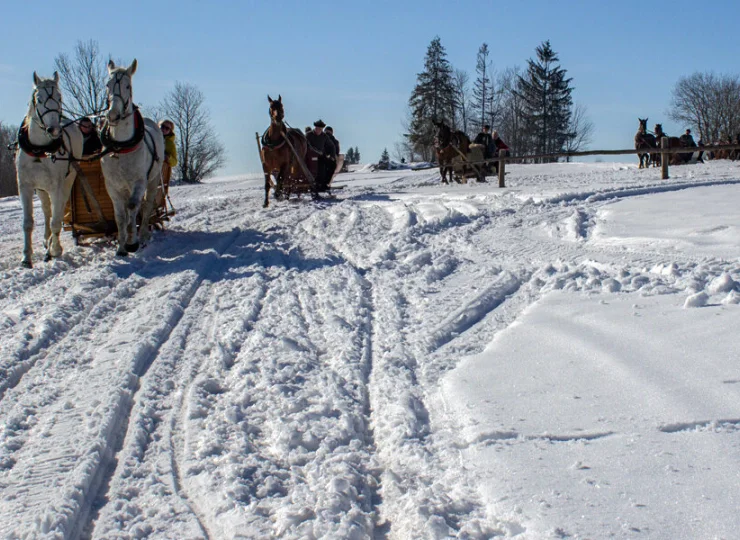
(277, 112)
(45, 108)
(443, 137)
(120, 92)
(643, 125)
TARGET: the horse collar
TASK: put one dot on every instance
(124, 147)
(33, 150)
(266, 142)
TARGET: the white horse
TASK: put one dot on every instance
(134, 167)
(40, 136)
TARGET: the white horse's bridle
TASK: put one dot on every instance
(38, 116)
(115, 91)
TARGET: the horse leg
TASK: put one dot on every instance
(46, 207)
(266, 204)
(133, 206)
(26, 197)
(56, 213)
(147, 209)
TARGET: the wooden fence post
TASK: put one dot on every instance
(664, 157)
(501, 168)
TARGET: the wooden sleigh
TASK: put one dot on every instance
(89, 211)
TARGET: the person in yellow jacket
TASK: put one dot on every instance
(170, 158)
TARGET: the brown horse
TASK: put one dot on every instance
(644, 141)
(448, 145)
(277, 157)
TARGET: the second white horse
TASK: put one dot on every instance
(133, 167)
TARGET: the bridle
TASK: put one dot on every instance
(116, 92)
(38, 116)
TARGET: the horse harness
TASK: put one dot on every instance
(117, 148)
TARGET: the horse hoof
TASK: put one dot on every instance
(123, 253)
(131, 248)
(26, 264)
(47, 257)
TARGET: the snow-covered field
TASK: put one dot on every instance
(556, 359)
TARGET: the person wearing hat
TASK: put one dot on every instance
(90, 140)
(170, 157)
(484, 138)
(320, 143)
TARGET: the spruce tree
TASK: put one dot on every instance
(433, 99)
(357, 154)
(482, 89)
(349, 157)
(545, 92)
(385, 157)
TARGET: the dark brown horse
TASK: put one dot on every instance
(277, 157)
(448, 145)
(644, 141)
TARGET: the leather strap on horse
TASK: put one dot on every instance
(33, 150)
(266, 142)
(123, 147)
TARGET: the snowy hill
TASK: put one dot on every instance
(554, 359)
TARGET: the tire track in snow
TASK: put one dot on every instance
(95, 404)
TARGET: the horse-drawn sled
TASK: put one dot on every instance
(73, 194)
(90, 213)
(290, 164)
(458, 158)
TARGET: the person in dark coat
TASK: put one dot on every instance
(484, 138)
(320, 143)
(330, 133)
(498, 144)
(90, 140)
(687, 141)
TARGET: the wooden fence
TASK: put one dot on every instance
(664, 151)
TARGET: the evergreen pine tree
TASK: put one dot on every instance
(482, 89)
(349, 157)
(357, 154)
(385, 157)
(433, 98)
(546, 97)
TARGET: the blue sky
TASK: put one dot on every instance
(355, 64)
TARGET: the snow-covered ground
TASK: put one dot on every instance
(556, 359)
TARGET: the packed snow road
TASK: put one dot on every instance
(276, 373)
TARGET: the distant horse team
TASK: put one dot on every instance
(651, 144)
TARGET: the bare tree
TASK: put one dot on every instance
(511, 119)
(462, 99)
(200, 153)
(83, 79)
(580, 130)
(709, 103)
(8, 183)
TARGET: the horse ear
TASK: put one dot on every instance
(56, 76)
(111, 65)
(269, 98)
(36, 79)
(132, 68)
(280, 98)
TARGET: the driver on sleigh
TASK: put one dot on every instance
(321, 144)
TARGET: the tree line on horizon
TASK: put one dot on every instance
(532, 109)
